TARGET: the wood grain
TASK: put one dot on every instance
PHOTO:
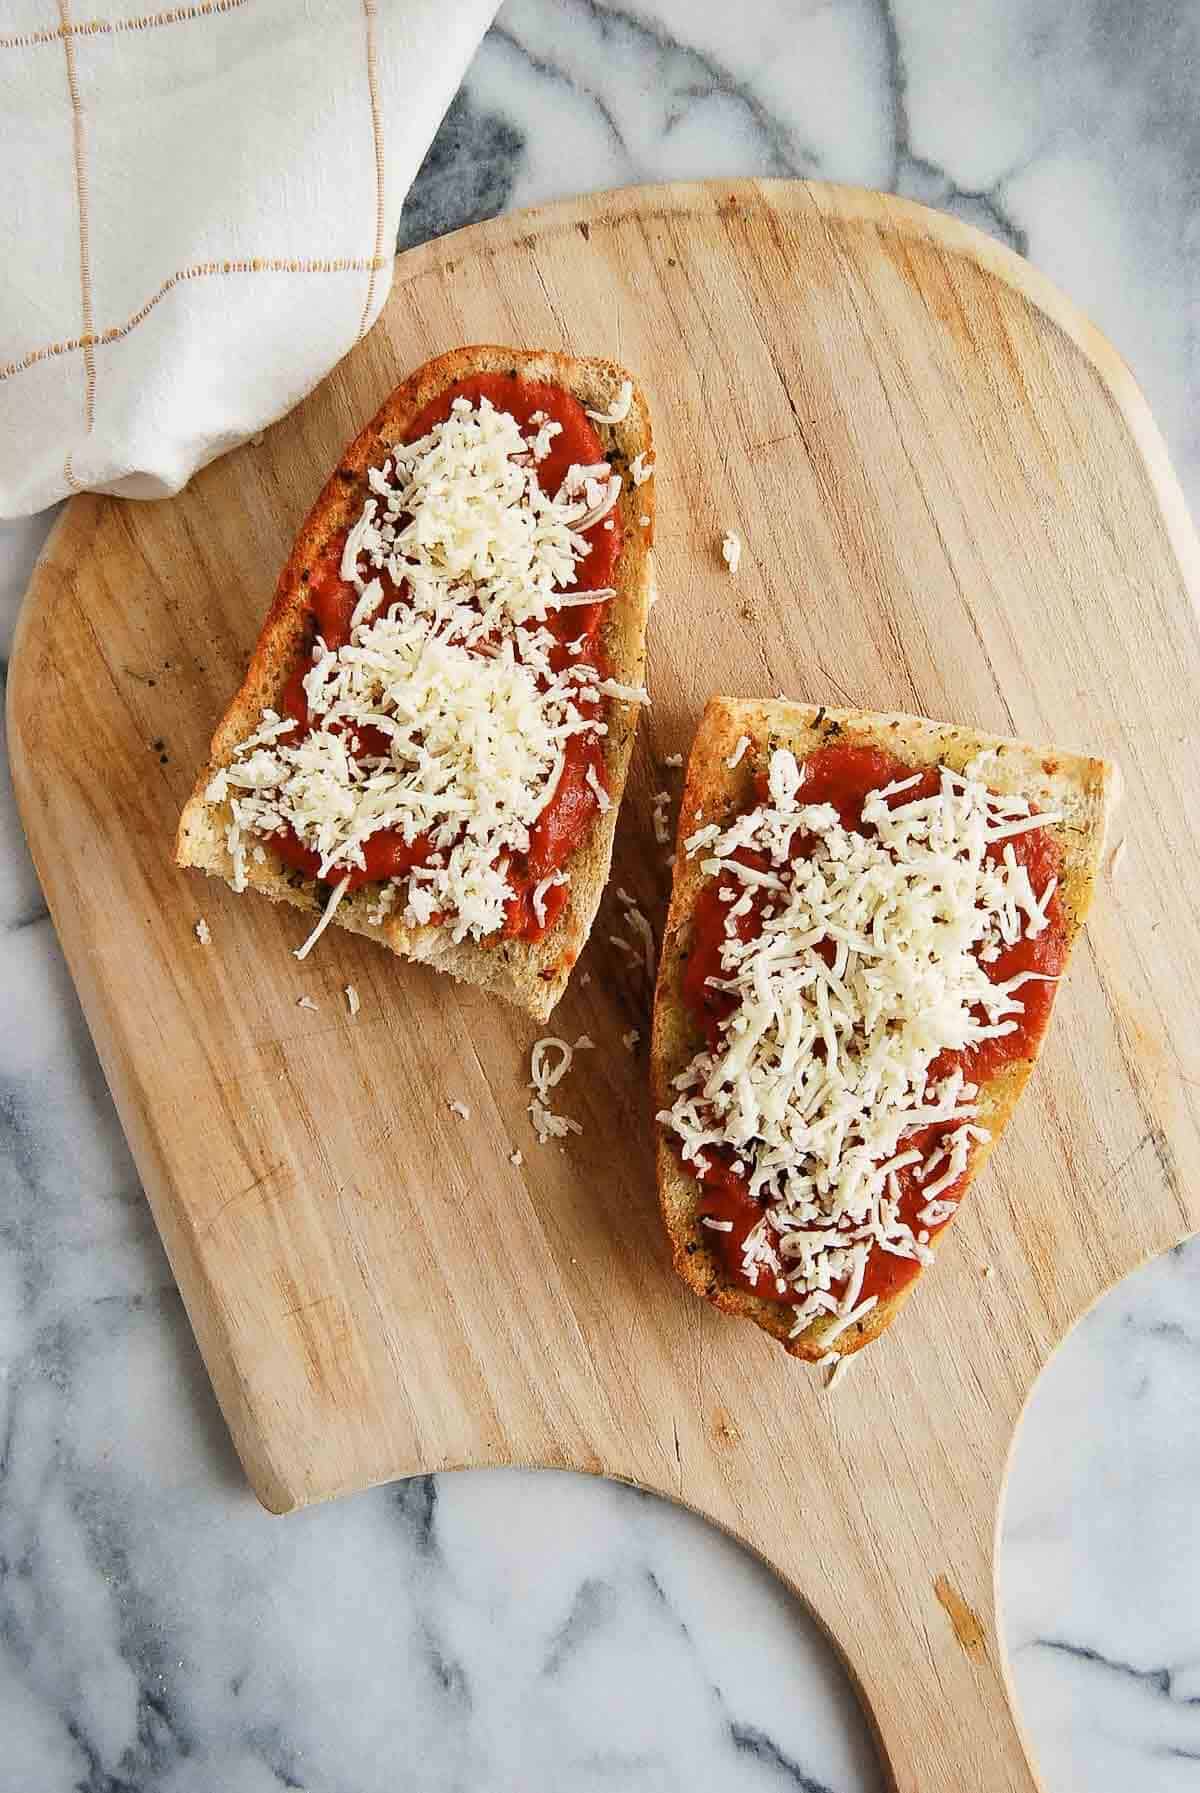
(953, 501)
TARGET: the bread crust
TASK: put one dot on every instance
(530, 974)
(1084, 789)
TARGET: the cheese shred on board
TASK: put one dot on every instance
(549, 1062)
(464, 707)
(869, 962)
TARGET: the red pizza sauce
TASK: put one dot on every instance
(570, 811)
(844, 775)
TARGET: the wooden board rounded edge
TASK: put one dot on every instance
(905, 218)
(762, 1523)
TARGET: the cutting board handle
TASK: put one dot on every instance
(936, 1692)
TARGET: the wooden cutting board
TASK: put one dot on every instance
(953, 501)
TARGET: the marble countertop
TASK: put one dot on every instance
(504, 1631)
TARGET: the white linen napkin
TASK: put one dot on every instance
(198, 209)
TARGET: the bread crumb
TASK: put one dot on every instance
(640, 469)
(630, 1038)
(661, 818)
(585, 980)
(460, 1109)
(352, 1002)
(988, 1272)
(673, 759)
(203, 932)
(644, 521)
(516, 1158)
(585, 1043)
(731, 550)
(306, 1002)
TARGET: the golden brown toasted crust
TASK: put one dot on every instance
(532, 975)
(1083, 789)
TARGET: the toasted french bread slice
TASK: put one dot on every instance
(530, 974)
(1082, 789)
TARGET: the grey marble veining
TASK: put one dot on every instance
(1101, 1547)
(496, 1632)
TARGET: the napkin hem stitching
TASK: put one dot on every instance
(356, 264)
(173, 15)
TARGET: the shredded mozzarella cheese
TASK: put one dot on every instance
(618, 410)
(603, 800)
(549, 1062)
(838, 1371)
(641, 947)
(633, 694)
(866, 967)
(540, 892)
(469, 720)
(327, 916)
